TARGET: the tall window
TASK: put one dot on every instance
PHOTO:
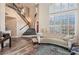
(62, 18)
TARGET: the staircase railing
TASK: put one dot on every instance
(23, 27)
(14, 6)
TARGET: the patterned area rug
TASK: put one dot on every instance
(51, 50)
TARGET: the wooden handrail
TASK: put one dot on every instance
(13, 6)
(22, 16)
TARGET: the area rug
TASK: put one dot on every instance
(51, 50)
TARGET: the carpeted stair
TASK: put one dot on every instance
(30, 31)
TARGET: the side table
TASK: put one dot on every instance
(6, 36)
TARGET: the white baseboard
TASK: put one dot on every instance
(15, 36)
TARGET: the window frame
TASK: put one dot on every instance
(67, 11)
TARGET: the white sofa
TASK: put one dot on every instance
(58, 39)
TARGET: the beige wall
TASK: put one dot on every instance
(11, 25)
(43, 16)
(31, 14)
(2, 17)
(9, 22)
